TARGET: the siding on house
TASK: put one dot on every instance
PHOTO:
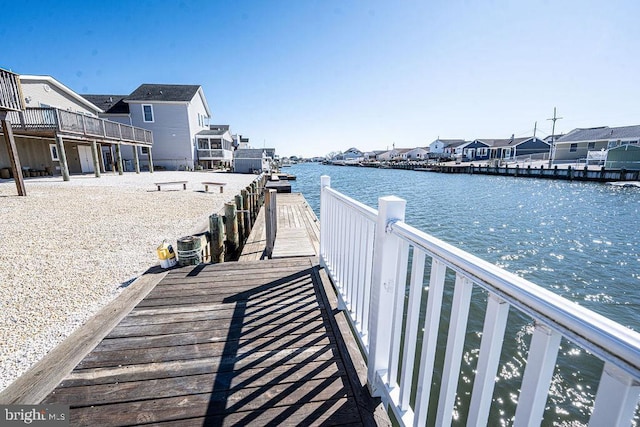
(172, 140)
(39, 90)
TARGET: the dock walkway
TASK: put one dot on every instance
(239, 343)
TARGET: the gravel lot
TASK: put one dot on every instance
(68, 248)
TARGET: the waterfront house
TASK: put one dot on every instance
(418, 153)
(252, 160)
(351, 155)
(477, 149)
(455, 148)
(437, 147)
(510, 148)
(215, 147)
(57, 131)
(577, 144)
(175, 114)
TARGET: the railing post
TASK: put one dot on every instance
(325, 181)
(616, 399)
(270, 220)
(385, 253)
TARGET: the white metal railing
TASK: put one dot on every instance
(368, 253)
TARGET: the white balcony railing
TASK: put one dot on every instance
(377, 264)
(214, 154)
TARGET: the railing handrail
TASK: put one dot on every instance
(130, 135)
(366, 254)
(601, 336)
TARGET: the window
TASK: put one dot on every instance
(54, 152)
(147, 112)
(573, 148)
(144, 150)
(591, 145)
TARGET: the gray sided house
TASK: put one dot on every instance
(175, 114)
(577, 144)
(252, 160)
(476, 150)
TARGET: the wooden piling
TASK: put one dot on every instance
(248, 225)
(216, 228)
(242, 234)
(254, 203)
(231, 228)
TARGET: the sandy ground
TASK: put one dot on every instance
(69, 248)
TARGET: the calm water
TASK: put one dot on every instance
(581, 240)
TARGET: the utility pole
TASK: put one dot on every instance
(535, 126)
(553, 136)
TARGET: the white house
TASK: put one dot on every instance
(438, 146)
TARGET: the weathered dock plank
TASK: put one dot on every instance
(223, 344)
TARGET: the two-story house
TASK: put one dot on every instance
(175, 114)
(215, 147)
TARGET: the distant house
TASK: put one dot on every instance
(437, 147)
(417, 153)
(215, 147)
(372, 156)
(485, 149)
(576, 144)
(476, 150)
(352, 154)
(455, 147)
(252, 160)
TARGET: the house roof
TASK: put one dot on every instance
(450, 141)
(454, 142)
(163, 92)
(249, 153)
(111, 104)
(219, 127)
(601, 133)
(212, 132)
(504, 142)
(63, 88)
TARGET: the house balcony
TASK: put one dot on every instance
(10, 92)
(53, 121)
(215, 154)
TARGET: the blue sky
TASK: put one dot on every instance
(310, 77)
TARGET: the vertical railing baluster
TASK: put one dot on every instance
(455, 344)
(398, 312)
(429, 339)
(350, 237)
(495, 323)
(368, 279)
(411, 327)
(358, 273)
(325, 182)
(537, 376)
(383, 288)
(616, 399)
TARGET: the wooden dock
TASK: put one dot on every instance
(239, 343)
(298, 231)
